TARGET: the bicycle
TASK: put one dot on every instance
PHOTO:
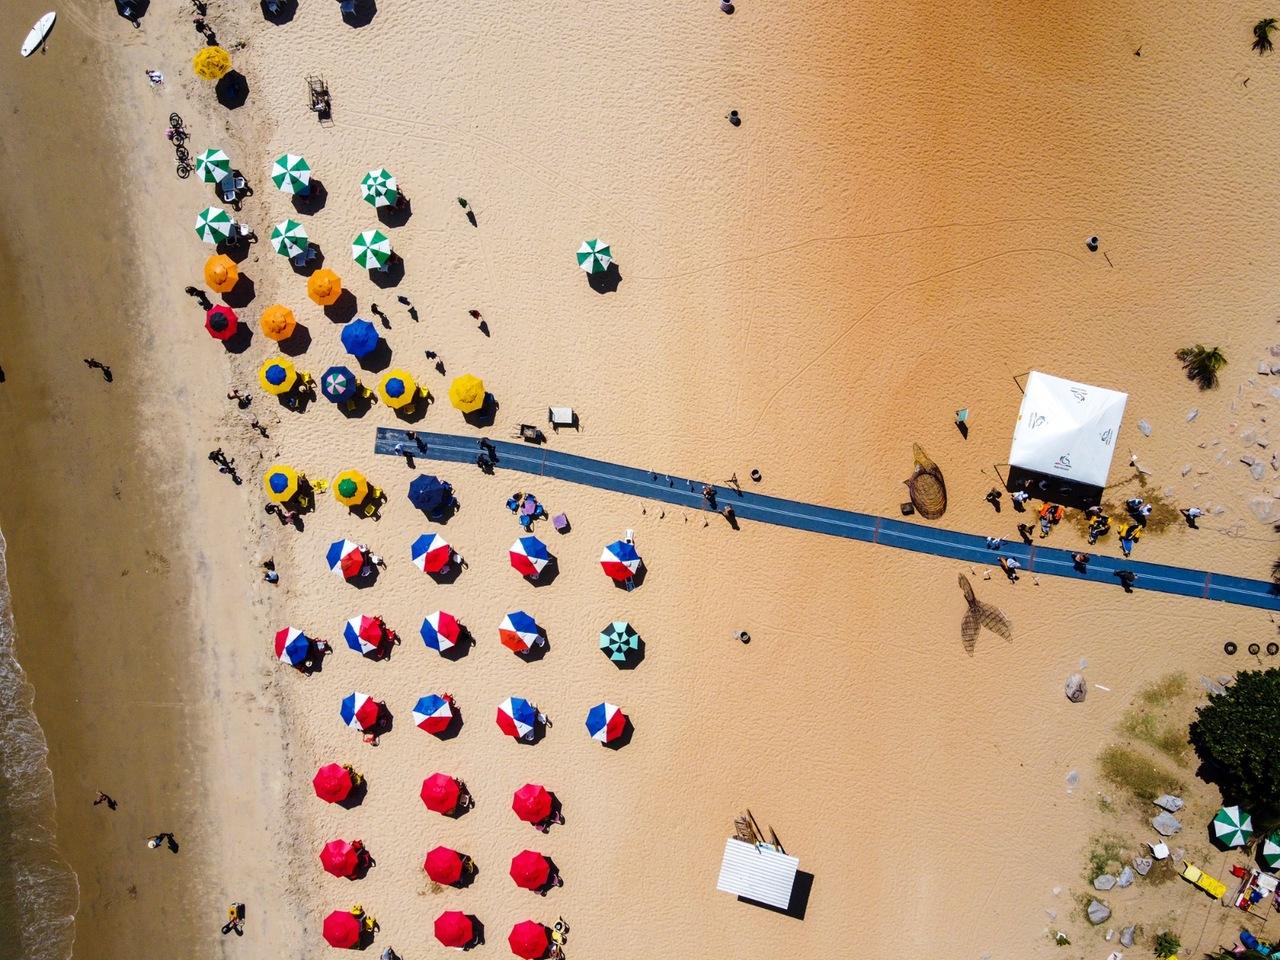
(181, 153)
(184, 170)
(175, 120)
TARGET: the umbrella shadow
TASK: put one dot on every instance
(242, 294)
(538, 650)
(548, 574)
(137, 10)
(624, 738)
(238, 250)
(296, 400)
(478, 939)
(377, 359)
(356, 407)
(366, 578)
(356, 797)
(240, 341)
(634, 657)
(311, 264)
(413, 416)
(297, 342)
(364, 863)
(362, 15)
(285, 10)
(466, 640)
(313, 200)
(554, 879)
(384, 724)
(487, 413)
(606, 282)
(232, 90)
(391, 276)
(636, 580)
(448, 575)
(454, 728)
(343, 309)
(397, 214)
(466, 803)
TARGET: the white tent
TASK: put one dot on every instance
(757, 871)
(1067, 429)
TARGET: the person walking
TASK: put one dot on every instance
(1020, 498)
(1191, 515)
(1126, 577)
(103, 798)
(1010, 566)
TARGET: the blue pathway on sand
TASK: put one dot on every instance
(682, 492)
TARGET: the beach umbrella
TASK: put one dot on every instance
(532, 803)
(364, 634)
(277, 375)
(213, 165)
(440, 793)
(289, 238)
(221, 273)
(466, 393)
(397, 389)
(440, 631)
(278, 322)
(345, 559)
(516, 717)
(619, 641)
(454, 929)
(528, 939)
(529, 556)
(594, 256)
(324, 287)
(221, 322)
(605, 722)
(443, 865)
(360, 711)
(360, 338)
(292, 646)
(519, 631)
(429, 493)
(339, 384)
(213, 225)
(379, 188)
(291, 174)
(431, 553)
(281, 483)
(342, 929)
(371, 249)
(340, 858)
(211, 63)
(620, 560)
(1232, 827)
(350, 488)
(433, 713)
(333, 783)
(530, 870)
(1271, 850)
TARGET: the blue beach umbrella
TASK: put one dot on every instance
(431, 553)
(605, 722)
(292, 646)
(516, 717)
(440, 631)
(433, 713)
(339, 384)
(429, 493)
(360, 338)
(360, 711)
(519, 631)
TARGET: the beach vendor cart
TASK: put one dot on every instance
(1256, 891)
(1210, 885)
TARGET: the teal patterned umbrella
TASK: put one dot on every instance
(289, 239)
(212, 165)
(620, 642)
(594, 256)
(379, 188)
(213, 225)
(371, 249)
(291, 174)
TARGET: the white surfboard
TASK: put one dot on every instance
(39, 33)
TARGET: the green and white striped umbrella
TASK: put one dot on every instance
(1271, 850)
(379, 188)
(213, 165)
(291, 174)
(594, 256)
(1232, 827)
(289, 239)
(371, 249)
(213, 225)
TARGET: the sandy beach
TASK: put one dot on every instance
(895, 231)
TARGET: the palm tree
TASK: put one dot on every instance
(1262, 35)
(1202, 365)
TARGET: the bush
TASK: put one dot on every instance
(1167, 944)
(1237, 733)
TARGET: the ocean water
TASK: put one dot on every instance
(38, 889)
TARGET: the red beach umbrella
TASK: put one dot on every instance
(220, 320)
(528, 939)
(443, 865)
(342, 929)
(340, 858)
(332, 782)
(440, 793)
(530, 870)
(454, 929)
(532, 803)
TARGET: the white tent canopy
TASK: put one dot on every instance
(1067, 429)
(759, 872)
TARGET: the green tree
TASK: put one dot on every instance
(1237, 734)
(1262, 35)
(1202, 365)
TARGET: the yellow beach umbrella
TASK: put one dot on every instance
(397, 389)
(221, 273)
(277, 375)
(324, 287)
(211, 63)
(278, 322)
(466, 393)
(350, 488)
(281, 483)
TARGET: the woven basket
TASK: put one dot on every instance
(927, 488)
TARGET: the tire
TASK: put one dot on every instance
(175, 120)
(1273, 648)
(1254, 649)
(181, 153)
(184, 171)
(1229, 649)
(179, 137)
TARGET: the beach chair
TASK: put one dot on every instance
(240, 183)
(370, 509)
(561, 417)
(228, 191)
(1210, 885)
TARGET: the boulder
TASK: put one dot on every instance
(1166, 824)
(1125, 879)
(1076, 688)
(1264, 367)
(1142, 865)
(1104, 881)
(1098, 912)
(1257, 471)
(1127, 935)
(1167, 802)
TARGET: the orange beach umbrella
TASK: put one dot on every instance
(324, 287)
(221, 273)
(278, 322)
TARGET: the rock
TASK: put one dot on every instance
(1110, 935)
(1192, 414)
(1263, 442)
(1073, 779)
(1076, 688)
(1260, 507)
(1142, 865)
(1212, 686)
(1104, 881)
(1275, 392)
(1264, 367)
(1126, 878)
(1166, 824)
(1127, 935)
(1168, 802)
(1186, 468)
(1275, 368)
(1098, 912)
(1219, 510)
(1257, 471)
(1275, 349)
(1144, 428)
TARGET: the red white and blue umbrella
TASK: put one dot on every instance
(516, 717)
(345, 559)
(605, 722)
(440, 631)
(363, 634)
(359, 711)
(431, 553)
(519, 631)
(433, 713)
(292, 646)
(529, 556)
(620, 560)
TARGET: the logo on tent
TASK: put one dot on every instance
(1034, 420)
(1080, 395)
(1063, 463)
(1106, 435)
